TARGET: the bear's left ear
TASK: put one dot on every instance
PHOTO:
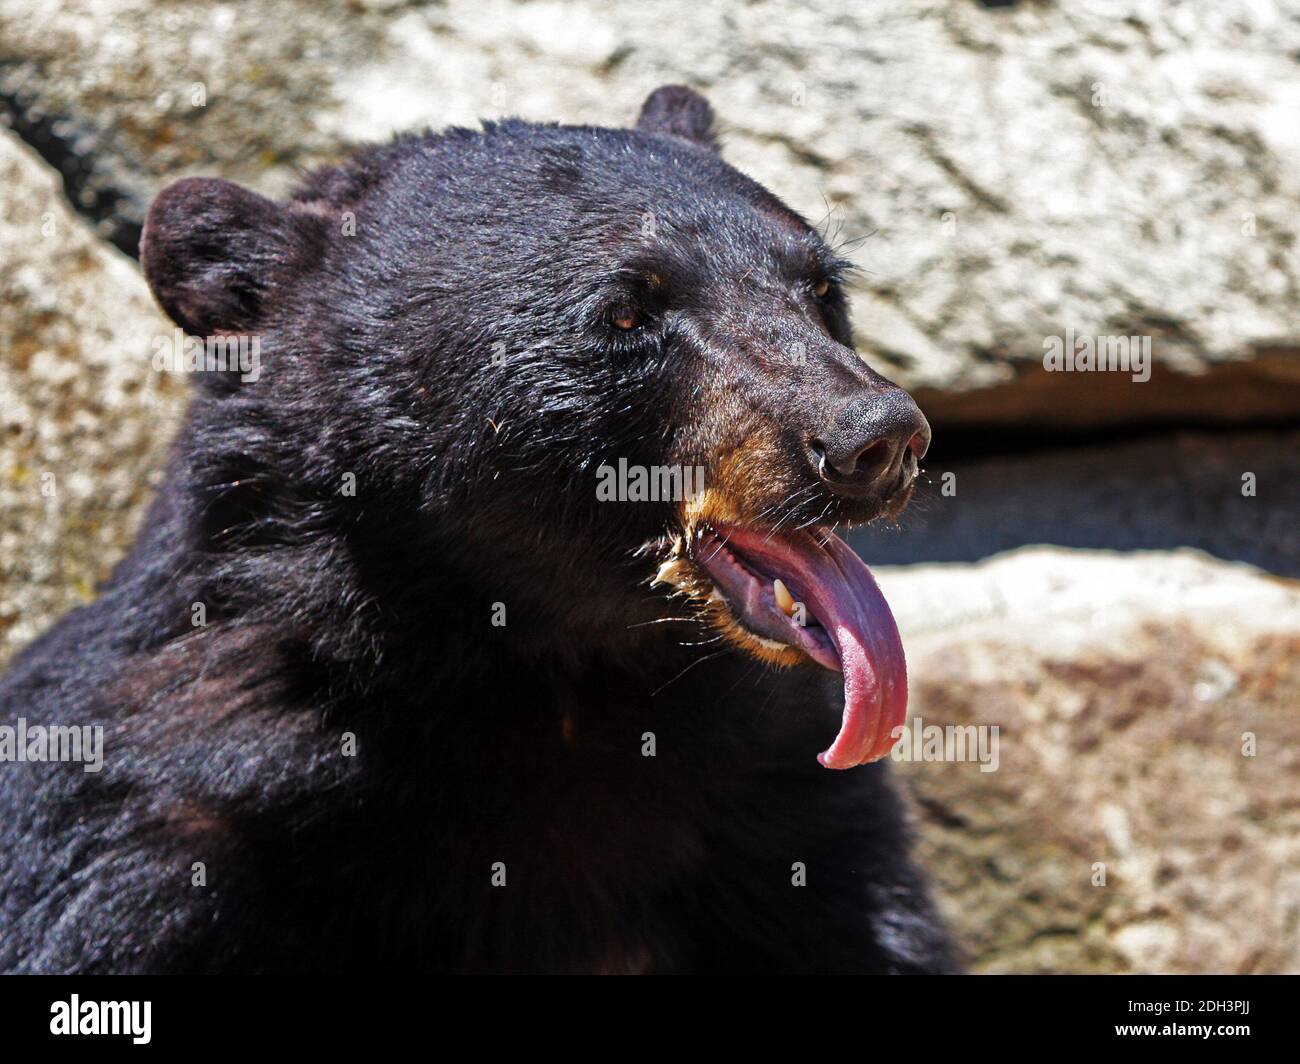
(212, 251)
(679, 112)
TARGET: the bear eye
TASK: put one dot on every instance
(624, 317)
(821, 287)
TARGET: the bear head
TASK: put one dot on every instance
(595, 374)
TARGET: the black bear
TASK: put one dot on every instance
(457, 637)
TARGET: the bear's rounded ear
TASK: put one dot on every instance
(212, 250)
(679, 112)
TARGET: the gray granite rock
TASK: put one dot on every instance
(84, 419)
(1144, 812)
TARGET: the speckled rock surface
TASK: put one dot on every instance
(1127, 689)
(1000, 176)
(85, 421)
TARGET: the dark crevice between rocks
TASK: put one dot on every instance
(114, 214)
(1229, 492)
(967, 442)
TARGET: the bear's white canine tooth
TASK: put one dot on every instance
(783, 597)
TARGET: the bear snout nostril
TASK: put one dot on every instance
(872, 446)
(869, 461)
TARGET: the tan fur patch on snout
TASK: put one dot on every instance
(746, 486)
(746, 481)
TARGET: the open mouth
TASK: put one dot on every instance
(808, 593)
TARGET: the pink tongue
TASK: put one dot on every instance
(842, 595)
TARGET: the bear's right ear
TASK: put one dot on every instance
(679, 112)
(211, 252)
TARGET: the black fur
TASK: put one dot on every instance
(371, 613)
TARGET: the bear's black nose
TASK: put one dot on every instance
(872, 445)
